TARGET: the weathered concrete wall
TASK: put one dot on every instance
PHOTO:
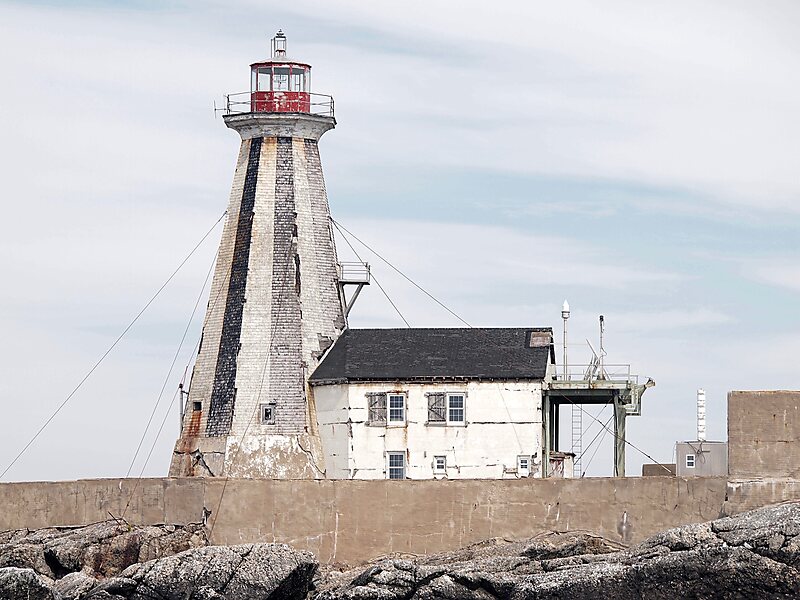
(763, 449)
(764, 434)
(352, 521)
(749, 494)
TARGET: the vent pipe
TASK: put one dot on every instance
(701, 415)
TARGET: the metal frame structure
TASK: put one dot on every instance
(356, 274)
(609, 384)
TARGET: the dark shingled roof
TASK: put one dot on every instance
(448, 353)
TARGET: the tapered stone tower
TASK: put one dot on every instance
(275, 305)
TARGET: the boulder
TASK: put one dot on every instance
(74, 585)
(247, 572)
(103, 549)
(24, 584)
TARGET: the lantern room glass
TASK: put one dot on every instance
(280, 78)
(264, 76)
(297, 82)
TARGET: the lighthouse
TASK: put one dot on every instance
(275, 304)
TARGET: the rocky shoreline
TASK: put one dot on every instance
(752, 555)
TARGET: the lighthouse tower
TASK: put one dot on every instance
(275, 305)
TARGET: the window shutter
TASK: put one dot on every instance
(377, 408)
(437, 410)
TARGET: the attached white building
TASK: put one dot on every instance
(433, 403)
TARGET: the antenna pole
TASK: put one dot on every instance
(565, 316)
(602, 374)
(701, 415)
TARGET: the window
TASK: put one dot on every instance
(267, 413)
(523, 466)
(280, 79)
(397, 465)
(298, 83)
(455, 408)
(439, 464)
(377, 409)
(397, 408)
(690, 461)
(264, 75)
(196, 406)
(437, 413)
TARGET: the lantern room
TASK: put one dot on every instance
(280, 84)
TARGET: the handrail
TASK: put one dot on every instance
(354, 272)
(585, 372)
(310, 103)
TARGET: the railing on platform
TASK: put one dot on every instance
(594, 372)
(354, 272)
(305, 103)
(589, 366)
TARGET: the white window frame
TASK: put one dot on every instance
(691, 458)
(526, 471)
(271, 407)
(389, 466)
(443, 467)
(463, 409)
(389, 420)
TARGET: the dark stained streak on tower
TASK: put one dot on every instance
(223, 396)
(285, 388)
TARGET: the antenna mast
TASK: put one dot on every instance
(701, 415)
(601, 371)
(565, 316)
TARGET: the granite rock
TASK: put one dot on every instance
(752, 555)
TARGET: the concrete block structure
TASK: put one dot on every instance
(764, 434)
(274, 307)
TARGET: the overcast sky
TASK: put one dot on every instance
(639, 159)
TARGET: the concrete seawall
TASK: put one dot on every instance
(352, 521)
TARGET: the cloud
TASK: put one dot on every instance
(703, 101)
(486, 266)
(590, 140)
(670, 320)
(780, 273)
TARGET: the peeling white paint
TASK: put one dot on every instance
(502, 423)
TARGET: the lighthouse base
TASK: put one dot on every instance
(249, 457)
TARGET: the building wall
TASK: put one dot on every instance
(503, 421)
(764, 434)
(353, 521)
(335, 429)
(710, 459)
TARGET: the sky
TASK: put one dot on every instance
(638, 159)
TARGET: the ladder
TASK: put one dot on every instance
(577, 438)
